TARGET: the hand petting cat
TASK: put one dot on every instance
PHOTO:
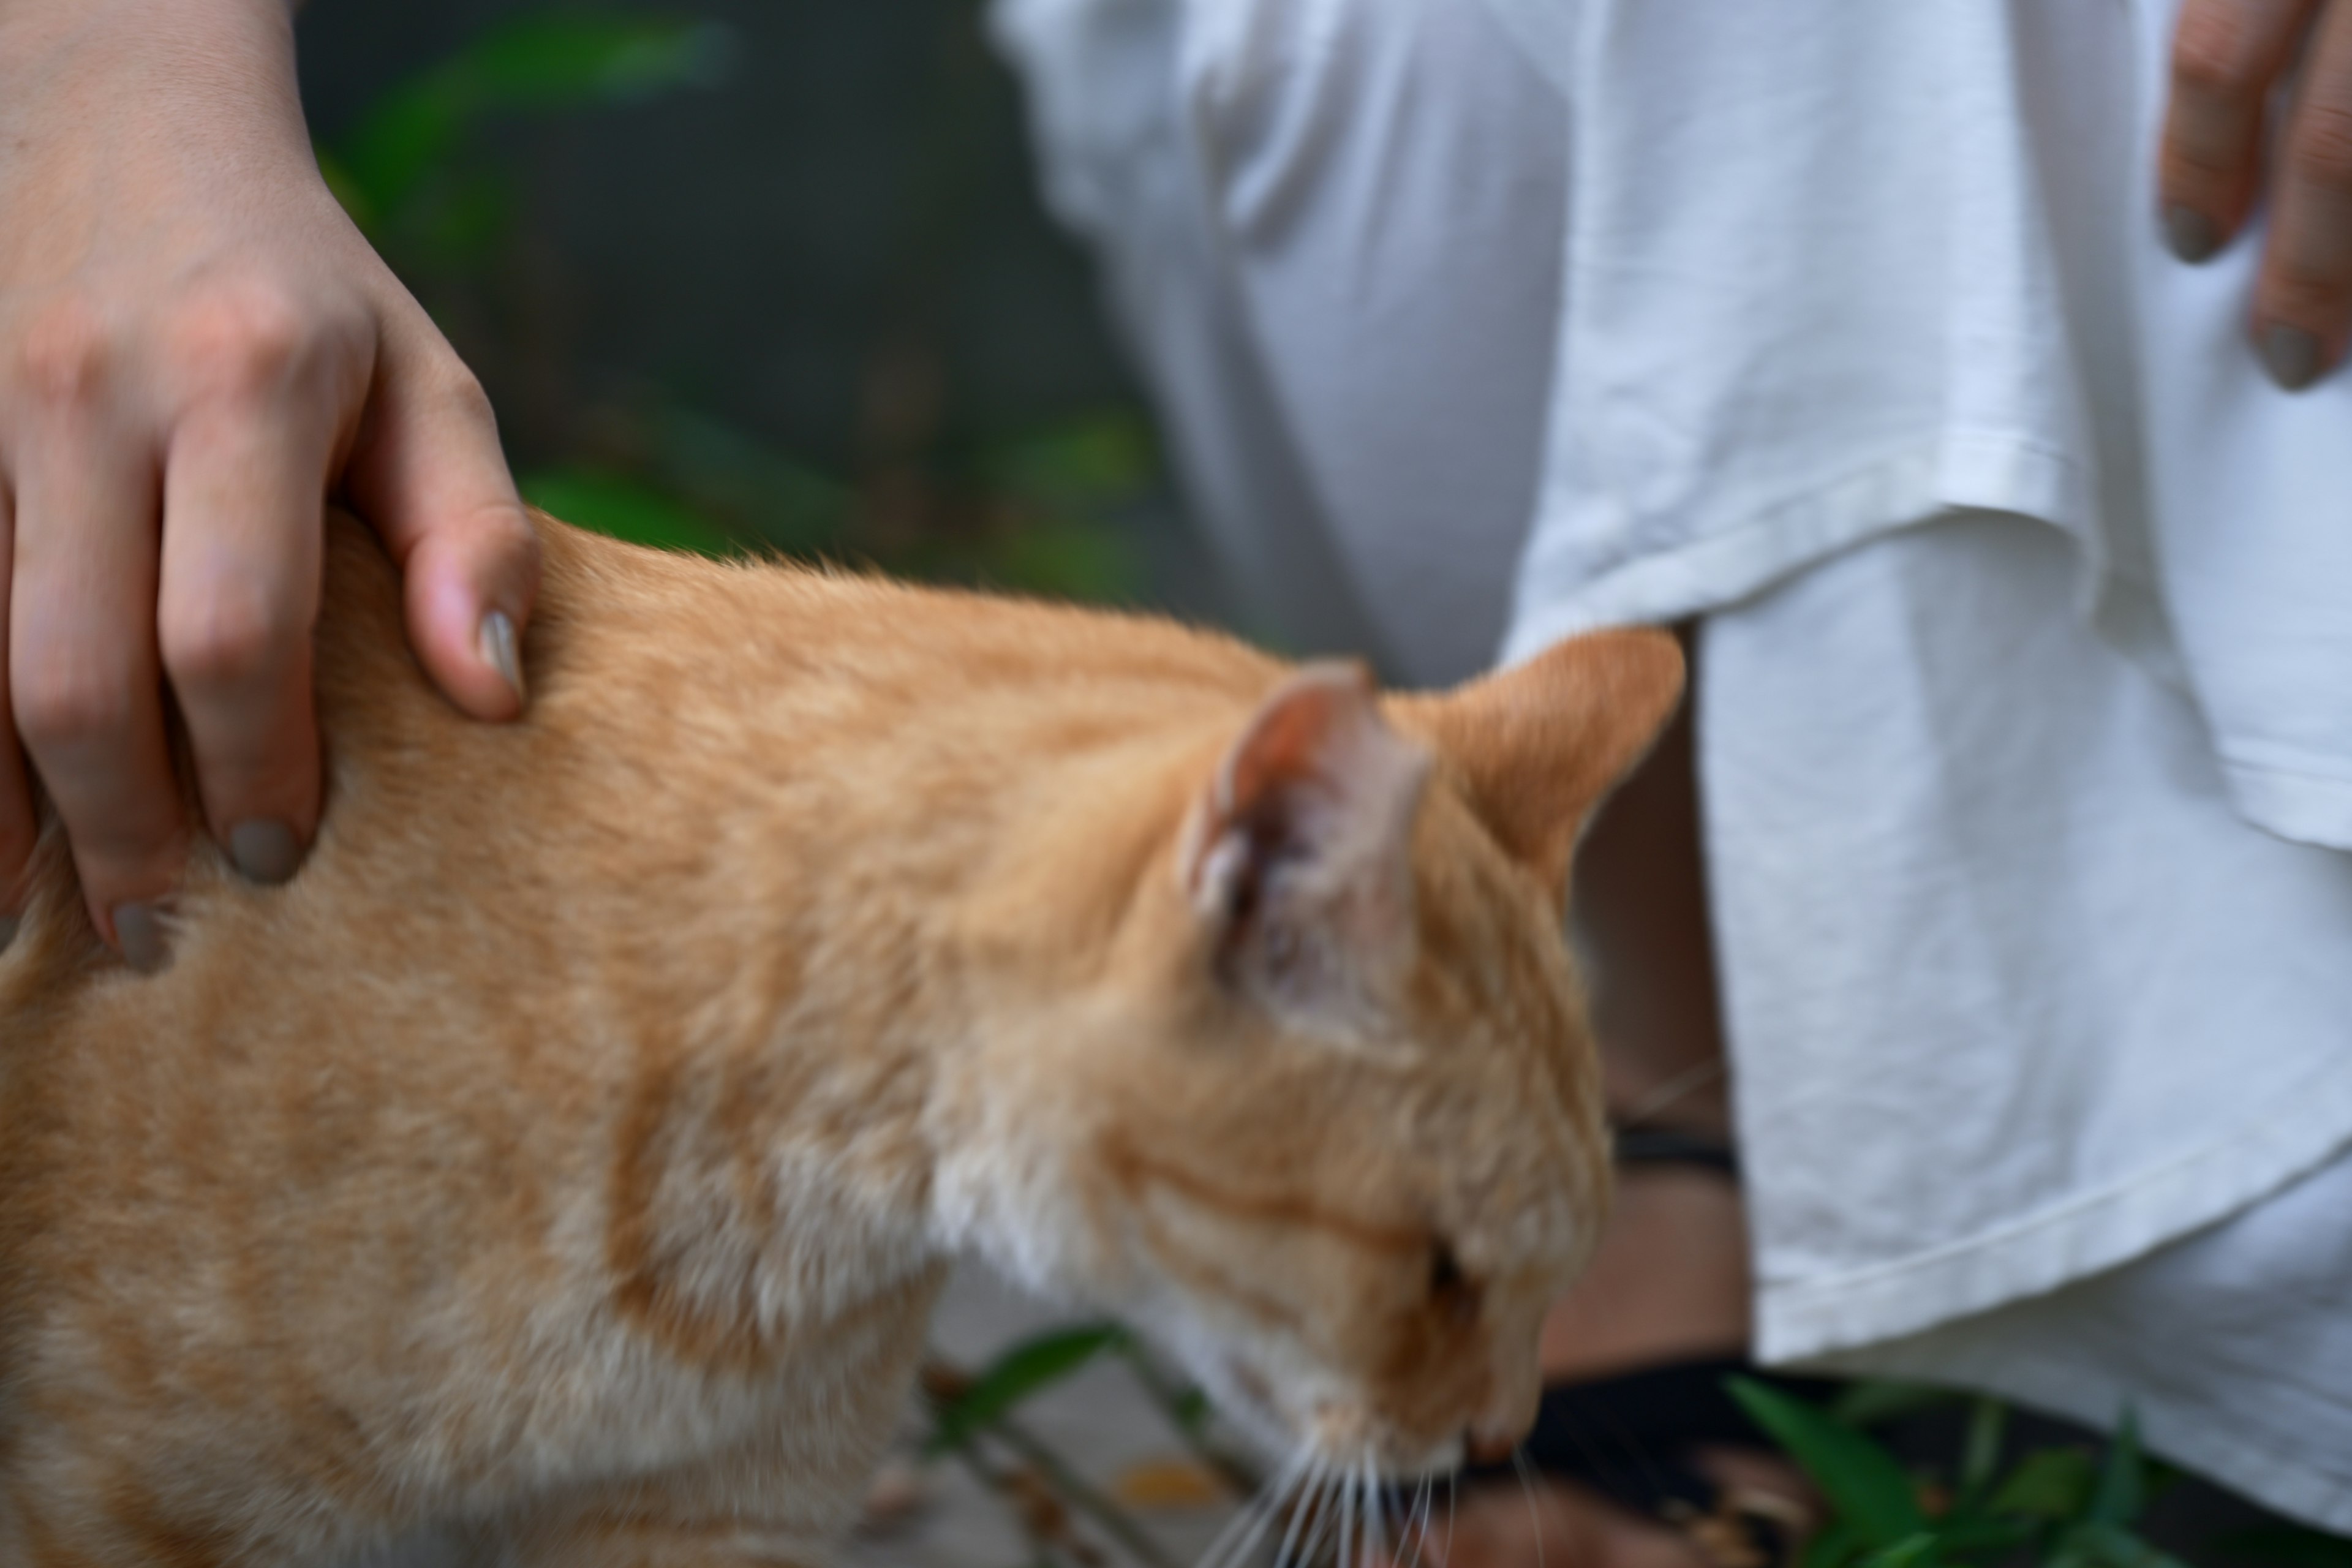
(2230, 58)
(196, 347)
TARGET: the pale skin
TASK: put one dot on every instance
(197, 349)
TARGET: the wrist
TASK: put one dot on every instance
(34, 32)
(71, 71)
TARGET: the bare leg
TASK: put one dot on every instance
(1671, 1279)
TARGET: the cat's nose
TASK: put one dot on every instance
(1487, 1447)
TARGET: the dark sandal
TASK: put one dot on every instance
(1628, 1438)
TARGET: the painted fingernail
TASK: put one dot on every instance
(140, 929)
(2291, 355)
(2192, 236)
(500, 652)
(265, 852)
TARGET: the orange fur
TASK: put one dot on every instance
(572, 1152)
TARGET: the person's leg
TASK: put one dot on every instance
(1670, 1279)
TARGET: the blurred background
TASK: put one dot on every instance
(747, 274)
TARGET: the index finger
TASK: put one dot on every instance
(2226, 56)
(2304, 303)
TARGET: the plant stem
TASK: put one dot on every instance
(1236, 1472)
(1081, 1493)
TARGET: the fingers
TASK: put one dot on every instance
(2303, 305)
(2226, 56)
(428, 474)
(82, 669)
(244, 492)
(15, 791)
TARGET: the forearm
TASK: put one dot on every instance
(56, 52)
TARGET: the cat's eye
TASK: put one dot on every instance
(1449, 1288)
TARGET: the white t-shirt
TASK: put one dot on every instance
(1832, 267)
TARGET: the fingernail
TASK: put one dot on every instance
(500, 652)
(265, 852)
(8, 931)
(2192, 236)
(138, 928)
(2291, 355)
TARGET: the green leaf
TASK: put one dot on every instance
(1860, 1479)
(402, 138)
(2110, 1546)
(1980, 1454)
(561, 60)
(2049, 1483)
(777, 498)
(625, 508)
(557, 59)
(1976, 1533)
(2290, 1546)
(1836, 1545)
(1072, 560)
(345, 187)
(1873, 1400)
(1030, 1365)
(1100, 458)
(2123, 1477)
(1913, 1552)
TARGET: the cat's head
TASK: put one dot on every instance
(1325, 1119)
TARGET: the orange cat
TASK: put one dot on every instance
(570, 1154)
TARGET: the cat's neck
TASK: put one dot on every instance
(857, 875)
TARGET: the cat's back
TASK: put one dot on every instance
(368, 1122)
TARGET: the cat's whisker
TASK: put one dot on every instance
(1417, 1520)
(1334, 1499)
(1216, 1553)
(1452, 1499)
(1346, 1520)
(1231, 1549)
(1528, 1488)
(1260, 1507)
(1309, 1496)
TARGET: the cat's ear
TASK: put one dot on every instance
(1537, 746)
(1297, 855)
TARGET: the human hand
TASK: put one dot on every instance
(2228, 57)
(196, 346)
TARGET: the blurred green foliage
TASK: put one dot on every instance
(2061, 1508)
(2051, 1507)
(429, 172)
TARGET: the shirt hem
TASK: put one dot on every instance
(2299, 1129)
(1985, 471)
(2304, 803)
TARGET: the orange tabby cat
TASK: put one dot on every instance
(570, 1154)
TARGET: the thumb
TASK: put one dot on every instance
(426, 472)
